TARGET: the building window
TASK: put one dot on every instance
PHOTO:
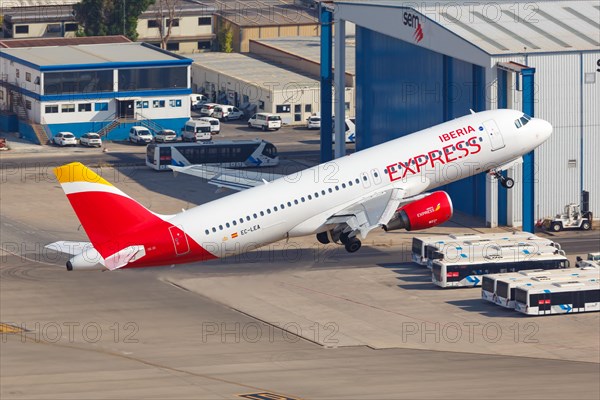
(52, 109)
(261, 105)
(53, 28)
(22, 29)
(101, 107)
(175, 103)
(282, 108)
(71, 27)
(85, 107)
(308, 108)
(152, 23)
(1, 94)
(173, 46)
(158, 103)
(142, 104)
(78, 82)
(28, 76)
(204, 45)
(153, 78)
(18, 73)
(175, 22)
(28, 104)
(203, 21)
(67, 108)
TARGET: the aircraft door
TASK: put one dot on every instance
(180, 241)
(496, 139)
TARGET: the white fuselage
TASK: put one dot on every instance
(300, 204)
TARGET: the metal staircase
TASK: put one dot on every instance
(140, 119)
(148, 123)
(41, 133)
(18, 105)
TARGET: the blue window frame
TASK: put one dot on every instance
(101, 107)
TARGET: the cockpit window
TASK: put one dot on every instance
(522, 121)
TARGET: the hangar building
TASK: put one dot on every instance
(102, 87)
(419, 64)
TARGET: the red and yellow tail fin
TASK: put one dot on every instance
(104, 211)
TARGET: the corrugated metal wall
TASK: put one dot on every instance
(565, 100)
(557, 100)
(571, 105)
(591, 129)
(402, 88)
(398, 88)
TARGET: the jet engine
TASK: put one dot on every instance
(424, 213)
(88, 260)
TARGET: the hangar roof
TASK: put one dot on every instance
(90, 55)
(508, 27)
(253, 70)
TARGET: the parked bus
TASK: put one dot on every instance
(494, 248)
(420, 243)
(504, 294)
(488, 282)
(226, 154)
(468, 273)
(558, 298)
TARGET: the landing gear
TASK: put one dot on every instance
(352, 245)
(507, 183)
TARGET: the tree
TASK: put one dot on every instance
(171, 11)
(226, 40)
(110, 17)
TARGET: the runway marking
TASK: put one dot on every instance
(10, 329)
(266, 396)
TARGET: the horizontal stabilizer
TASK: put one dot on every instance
(124, 257)
(67, 247)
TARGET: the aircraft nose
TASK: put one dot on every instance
(543, 129)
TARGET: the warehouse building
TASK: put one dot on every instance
(256, 85)
(420, 65)
(102, 87)
(245, 21)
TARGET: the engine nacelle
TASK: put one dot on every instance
(424, 213)
(88, 260)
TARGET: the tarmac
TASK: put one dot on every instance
(295, 319)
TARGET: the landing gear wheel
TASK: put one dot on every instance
(352, 245)
(586, 226)
(507, 183)
(322, 238)
(344, 237)
(556, 226)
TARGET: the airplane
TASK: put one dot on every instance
(386, 186)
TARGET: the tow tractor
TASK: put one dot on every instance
(571, 218)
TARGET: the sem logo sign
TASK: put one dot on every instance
(411, 20)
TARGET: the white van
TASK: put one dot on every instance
(140, 134)
(227, 113)
(194, 130)
(215, 124)
(265, 121)
(197, 100)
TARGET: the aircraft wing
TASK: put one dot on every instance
(228, 178)
(377, 210)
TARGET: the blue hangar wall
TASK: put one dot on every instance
(402, 88)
